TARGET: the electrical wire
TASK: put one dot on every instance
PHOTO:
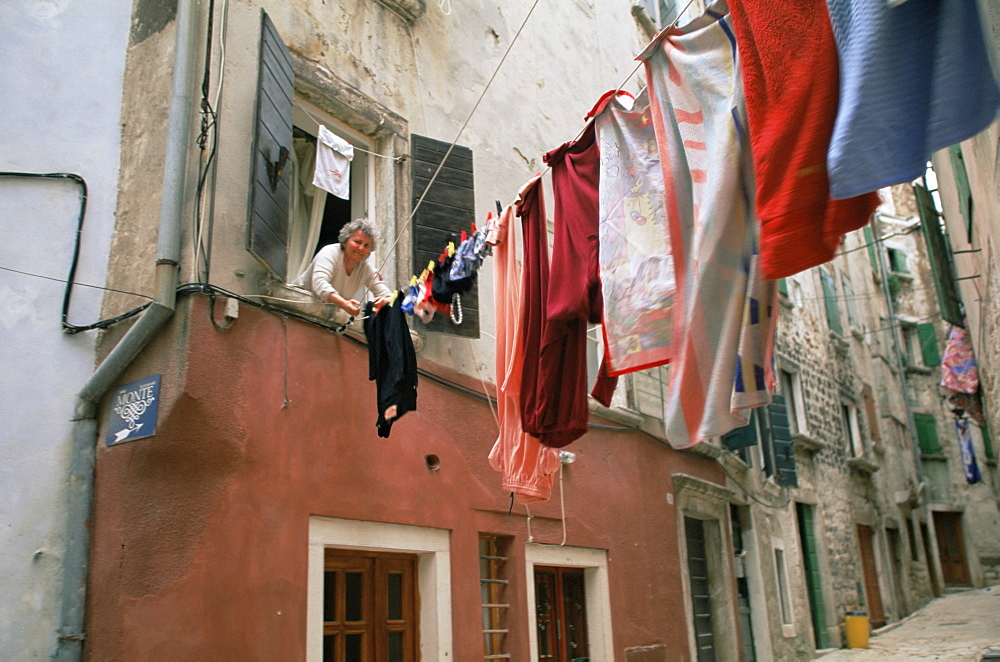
(444, 159)
(209, 126)
(74, 262)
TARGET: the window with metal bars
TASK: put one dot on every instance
(493, 585)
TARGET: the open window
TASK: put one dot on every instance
(852, 429)
(315, 216)
(288, 218)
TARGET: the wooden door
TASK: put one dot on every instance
(561, 611)
(876, 613)
(951, 549)
(370, 607)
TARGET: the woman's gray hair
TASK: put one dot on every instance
(363, 224)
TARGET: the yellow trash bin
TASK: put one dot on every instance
(856, 629)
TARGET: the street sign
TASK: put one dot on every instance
(133, 411)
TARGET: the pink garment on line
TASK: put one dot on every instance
(527, 467)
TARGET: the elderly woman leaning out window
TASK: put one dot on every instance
(340, 274)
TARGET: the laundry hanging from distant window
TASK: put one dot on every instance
(333, 163)
(960, 375)
(972, 474)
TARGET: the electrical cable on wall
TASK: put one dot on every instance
(70, 279)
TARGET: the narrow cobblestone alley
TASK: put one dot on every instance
(956, 626)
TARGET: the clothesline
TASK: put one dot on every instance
(618, 89)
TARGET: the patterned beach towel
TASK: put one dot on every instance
(636, 264)
(725, 314)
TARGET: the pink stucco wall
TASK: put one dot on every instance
(200, 532)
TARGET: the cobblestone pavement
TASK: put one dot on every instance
(956, 626)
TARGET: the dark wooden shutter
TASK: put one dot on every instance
(928, 344)
(448, 208)
(830, 299)
(940, 255)
(781, 443)
(270, 170)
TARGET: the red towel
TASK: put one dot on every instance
(790, 79)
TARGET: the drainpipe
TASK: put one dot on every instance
(896, 341)
(85, 428)
(933, 566)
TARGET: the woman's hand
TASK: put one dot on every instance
(381, 301)
(351, 306)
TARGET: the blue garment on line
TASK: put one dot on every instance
(914, 78)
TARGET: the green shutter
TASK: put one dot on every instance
(927, 434)
(740, 437)
(781, 443)
(988, 443)
(830, 299)
(962, 187)
(852, 309)
(448, 208)
(870, 244)
(928, 344)
(940, 255)
(271, 172)
(783, 287)
(814, 578)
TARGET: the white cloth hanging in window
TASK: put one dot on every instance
(333, 164)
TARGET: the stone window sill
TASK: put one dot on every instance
(807, 443)
(863, 464)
